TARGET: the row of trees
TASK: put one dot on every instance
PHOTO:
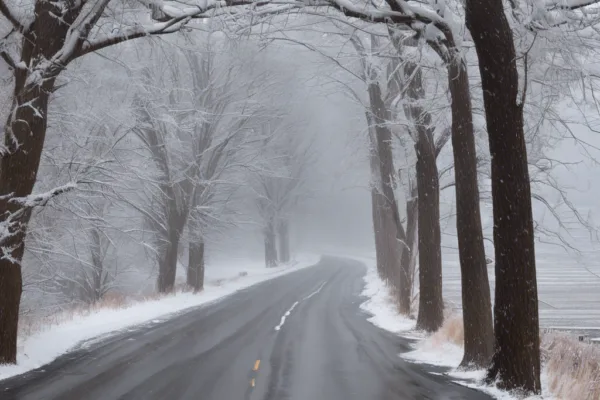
(40, 48)
(508, 343)
(519, 115)
(277, 194)
(152, 166)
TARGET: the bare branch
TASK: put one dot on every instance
(14, 20)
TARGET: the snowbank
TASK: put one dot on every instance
(55, 340)
(441, 349)
(381, 305)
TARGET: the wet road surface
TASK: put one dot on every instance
(301, 336)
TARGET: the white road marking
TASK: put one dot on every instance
(315, 292)
(288, 312)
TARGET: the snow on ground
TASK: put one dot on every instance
(472, 379)
(380, 305)
(427, 350)
(45, 346)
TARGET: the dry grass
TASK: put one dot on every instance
(32, 324)
(572, 367)
(452, 331)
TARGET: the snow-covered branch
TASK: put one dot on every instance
(12, 17)
(41, 199)
(568, 4)
(540, 15)
(138, 31)
(7, 56)
(12, 223)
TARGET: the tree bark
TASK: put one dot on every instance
(476, 299)
(415, 253)
(195, 271)
(516, 361)
(388, 253)
(10, 297)
(98, 273)
(25, 132)
(271, 259)
(377, 233)
(167, 266)
(406, 264)
(386, 243)
(431, 303)
(284, 240)
(477, 312)
(383, 136)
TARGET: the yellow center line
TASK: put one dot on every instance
(252, 382)
(256, 365)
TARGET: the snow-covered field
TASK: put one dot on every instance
(221, 280)
(568, 287)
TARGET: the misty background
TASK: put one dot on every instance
(334, 213)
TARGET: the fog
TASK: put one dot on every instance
(332, 215)
(217, 183)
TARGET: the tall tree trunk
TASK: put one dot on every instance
(477, 310)
(476, 299)
(384, 229)
(271, 259)
(516, 361)
(377, 232)
(11, 284)
(431, 303)
(284, 240)
(415, 254)
(389, 253)
(98, 273)
(167, 266)
(24, 136)
(195, 271)
(383, 136)
(406, 262)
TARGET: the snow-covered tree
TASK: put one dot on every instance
(281, 186)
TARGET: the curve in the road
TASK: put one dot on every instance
(298, 337)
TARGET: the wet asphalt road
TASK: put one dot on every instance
(298, 337)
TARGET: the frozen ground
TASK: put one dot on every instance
(221, 280)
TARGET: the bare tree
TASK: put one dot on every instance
(388, 250)
(169, 213)
(516, 362)
(281, 186)
(395, 243)
(223, 106)
(51, 37)
(191, 136)
(394, 256)
(430, 257)
(441, 40)
(71, 256)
